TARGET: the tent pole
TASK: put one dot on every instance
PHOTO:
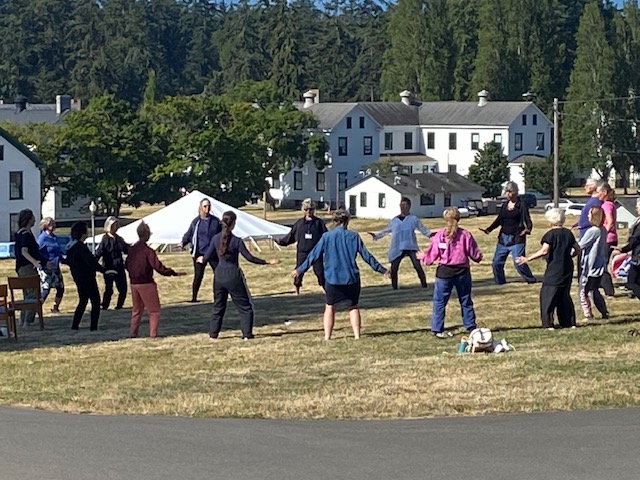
(274, 244)
(253, 242)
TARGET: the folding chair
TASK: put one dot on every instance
(29, 304)
(7, 314)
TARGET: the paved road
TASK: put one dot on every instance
(558, 446)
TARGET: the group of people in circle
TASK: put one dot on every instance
(332, 254)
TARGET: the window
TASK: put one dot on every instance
(297, 180)
(447, 199)
(534, 119)
(348, 122)
(382, 200)
(497, 138)
(320, 181)
(408, 141)
(405, 169)
(425, 168)
(1, 152)
(518, 143)
(363, 199)
(540, 141)
(427, 199)
(388, 141)
(367, 145)
(13, 225)
(361, 122)
(65, 198)
(453, 141)
(342, 181)
(453, 169)
(431, 140)
(342, 146)
(15, 186)
(475, 141)
(524, 119)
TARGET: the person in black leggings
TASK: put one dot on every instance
(229, 279)
(111, 248)
(202, 229)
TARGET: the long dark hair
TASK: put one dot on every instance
(228, 222)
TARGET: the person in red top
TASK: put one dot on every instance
(141, 262)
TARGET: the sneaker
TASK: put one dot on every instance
(443, 335)
(55, 309)
(288, 322)
(587, 319)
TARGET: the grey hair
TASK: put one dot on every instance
(594, 182)
(307, 203)
(47, 222)
(511, 187)
(108, 223)
(555, 216)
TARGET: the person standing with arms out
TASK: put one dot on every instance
(608, 197)
(515, 224)
(84, 267)
(591, 187)
(559, 246)
(403, 241)
(28, 259)
(51, 250)
(110, 250)
(593, 264)
(340, 248)
(202, 229)
(306, 232)
(229, 279)
(452, 247)
(141, 262)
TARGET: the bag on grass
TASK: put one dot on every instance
(480, 340)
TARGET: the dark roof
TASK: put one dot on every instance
(627, 202)
(391, 113)
(21, 147)
(427, 183)
(426, 113)
(35, 113)
(470, 113)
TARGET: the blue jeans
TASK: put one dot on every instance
(500, 257)
(442, 288)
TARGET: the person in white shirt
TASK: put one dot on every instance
(403, 241)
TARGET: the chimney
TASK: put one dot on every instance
(63, 103)
(309, 98)
(483, 98)
(316, 99)
(418, 184)
(405, 97)
(21, 103)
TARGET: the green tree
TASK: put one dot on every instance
(286, 67)
(538, 176)
(464, 26)
(490, 169)
(589, 122)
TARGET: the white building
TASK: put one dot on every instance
(424, 136)
(20, 180)
(57, 203)
(378, 196)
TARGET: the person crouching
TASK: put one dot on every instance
(84, 266)
(141, 262)
(452, 247)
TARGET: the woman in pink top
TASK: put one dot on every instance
(608, 196)
(452, 247)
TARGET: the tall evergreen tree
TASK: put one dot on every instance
(587, 118)
(286, 61)
(464, 25)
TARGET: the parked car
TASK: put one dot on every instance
(529, 200)
(7, 250)
(475, 207)
(540, 197)
(575, 209)
(562, 203)
(464, 212)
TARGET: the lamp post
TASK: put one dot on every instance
(92, 208)
(328, 160)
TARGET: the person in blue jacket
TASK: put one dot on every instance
(403, 241)
(51, 276)
(201, 231)
(340, 248)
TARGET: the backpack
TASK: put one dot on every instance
(480, 340)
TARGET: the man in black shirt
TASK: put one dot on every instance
(307, 233)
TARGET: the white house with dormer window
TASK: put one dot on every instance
(426, 137)
(20, 184)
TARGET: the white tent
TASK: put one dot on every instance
(169, 224)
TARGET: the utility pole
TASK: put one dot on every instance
(556, 152)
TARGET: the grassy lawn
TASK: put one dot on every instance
(396, 370)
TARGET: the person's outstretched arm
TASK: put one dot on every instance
(382, 233)
(244, 251)
(315, 254)
(421, 228)
(289, 238)
(369, 258)
(158, 266)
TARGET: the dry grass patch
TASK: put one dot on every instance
(397, 370)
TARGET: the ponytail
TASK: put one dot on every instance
(228, 222)
(451, 216)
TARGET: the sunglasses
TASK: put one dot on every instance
(206, 206)
(309, 209)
